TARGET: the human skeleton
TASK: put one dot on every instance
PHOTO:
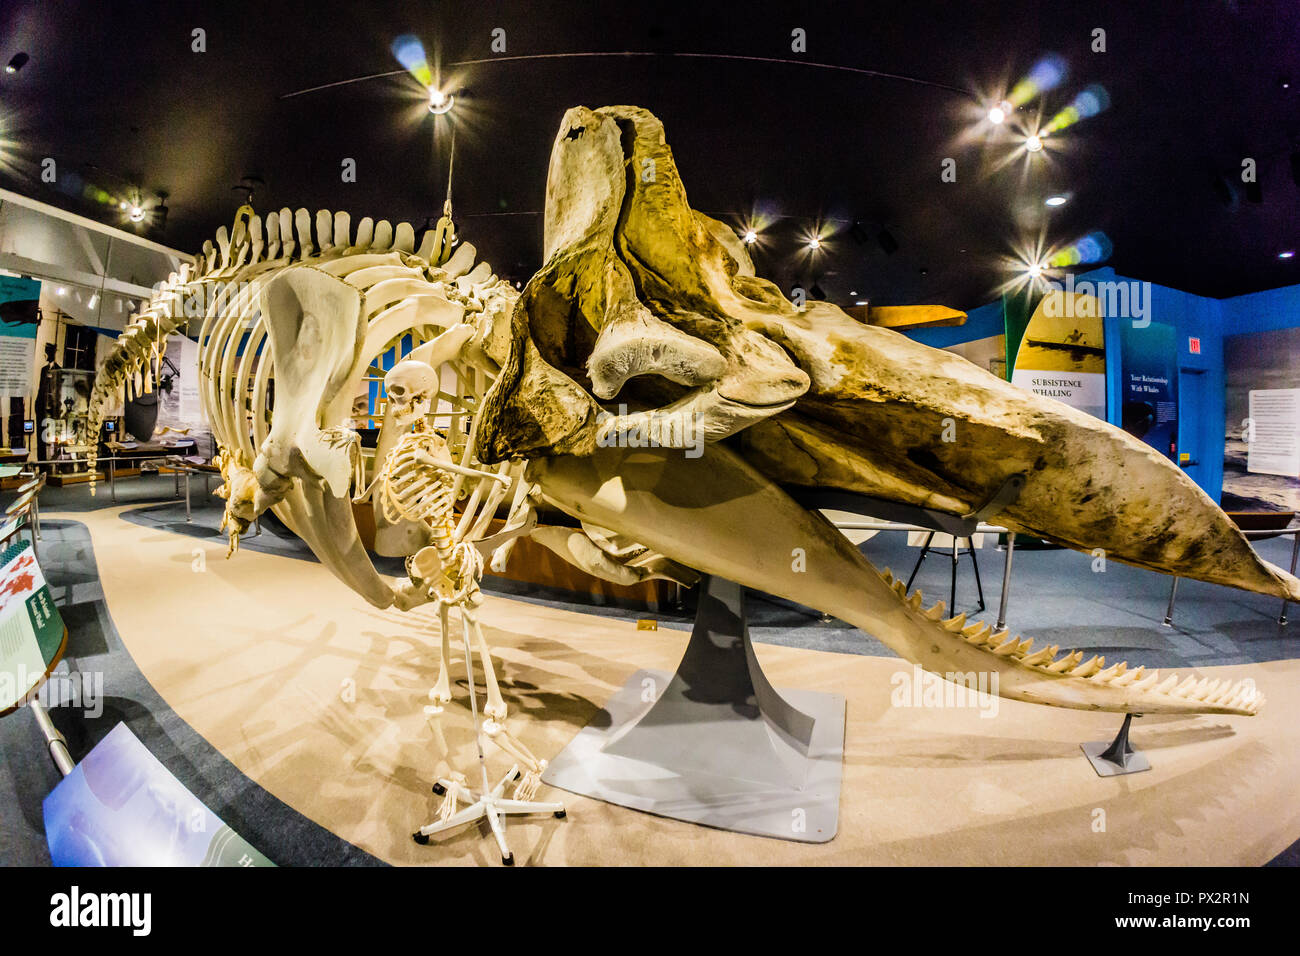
(416, 482)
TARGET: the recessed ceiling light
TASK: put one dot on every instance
(1055, 200)
(1286, 255)
(1035, 270)
(751, 237)
(1034, 143)
(440, 102)
(999, 112)
(814, 243)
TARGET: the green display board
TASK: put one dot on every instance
(32, 635)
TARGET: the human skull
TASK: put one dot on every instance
(411, 388)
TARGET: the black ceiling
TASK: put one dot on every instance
(115, 94)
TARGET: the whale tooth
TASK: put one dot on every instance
(1065, 663)
(1168, 684)
(1147, 682)
(1042, 657)
(1129, 677)
(1089, 667)
(1007, 647)
(935, 613)
(914, 602)
(955, 624)
(1110, 673)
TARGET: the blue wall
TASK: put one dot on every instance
(1201, 378)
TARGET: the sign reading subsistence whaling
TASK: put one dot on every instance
(1062, 353)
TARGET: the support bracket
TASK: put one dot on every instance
(715, 743)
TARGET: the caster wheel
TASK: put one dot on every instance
(561, 814)
(420, 838)
(508, 860)
(439, 789)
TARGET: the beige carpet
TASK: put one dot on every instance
(318, 698)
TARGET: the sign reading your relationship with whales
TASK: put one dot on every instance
(1061, 353)
(1150, 385)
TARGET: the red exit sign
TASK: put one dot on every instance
(1194, 346)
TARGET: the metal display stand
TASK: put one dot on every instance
(1293, 531)
(1117, 757)
(957, 551)
(913, 517)
(715, 743)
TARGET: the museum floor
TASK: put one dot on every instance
(294, 710)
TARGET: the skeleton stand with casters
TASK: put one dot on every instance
(490, 802)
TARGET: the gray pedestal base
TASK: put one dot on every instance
(715, 743)
(1117, 757)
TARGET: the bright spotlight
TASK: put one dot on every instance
(137, 213)
(61, 291)
(1034, 143)
(1055, 201)
(440, 102)
(751, 237)
(122, 205)
(17, 63)
(998, 113)
(814, 243)
(1286, 255)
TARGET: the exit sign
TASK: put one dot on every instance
(1194, 346)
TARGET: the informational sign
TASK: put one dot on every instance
(1274, 432)
(31, 632)
(1062, 353)
(1261, 374)
(1149, 385)
(16, 365)
(121, 807)
(179, 407)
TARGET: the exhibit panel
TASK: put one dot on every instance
(567, 500)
